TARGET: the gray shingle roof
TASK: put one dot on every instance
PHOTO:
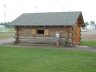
(46, 19)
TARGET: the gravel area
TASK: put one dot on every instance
(89, 35)
(6, 41)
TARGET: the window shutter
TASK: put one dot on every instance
(46, 32)
(33, 31)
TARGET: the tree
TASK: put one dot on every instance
(86, 24)
(6, 25)
(92, 22)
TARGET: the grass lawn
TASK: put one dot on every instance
(6, 35)
(89, 43)
(46, 60)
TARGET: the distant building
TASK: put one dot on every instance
(83, 29)
(91, 26)
(95, 26)
(2, 28)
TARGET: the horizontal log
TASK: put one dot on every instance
(29, 36)
(42, 40)
(24, 34)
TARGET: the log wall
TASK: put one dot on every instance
(29, 34)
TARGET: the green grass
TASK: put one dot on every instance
(8, 30)
(14, 59)
(89, 43)
(6, 35)
(11, 29)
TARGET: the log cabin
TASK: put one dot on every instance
(41, 27)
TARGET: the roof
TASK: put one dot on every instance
(47, 19)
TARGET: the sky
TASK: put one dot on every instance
(14, 8)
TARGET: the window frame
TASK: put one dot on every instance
(40, 31)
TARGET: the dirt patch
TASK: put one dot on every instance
(6, 41)
(46, 46)
(89, 35)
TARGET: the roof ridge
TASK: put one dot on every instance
(55, 12)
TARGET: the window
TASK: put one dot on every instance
(40, 31)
